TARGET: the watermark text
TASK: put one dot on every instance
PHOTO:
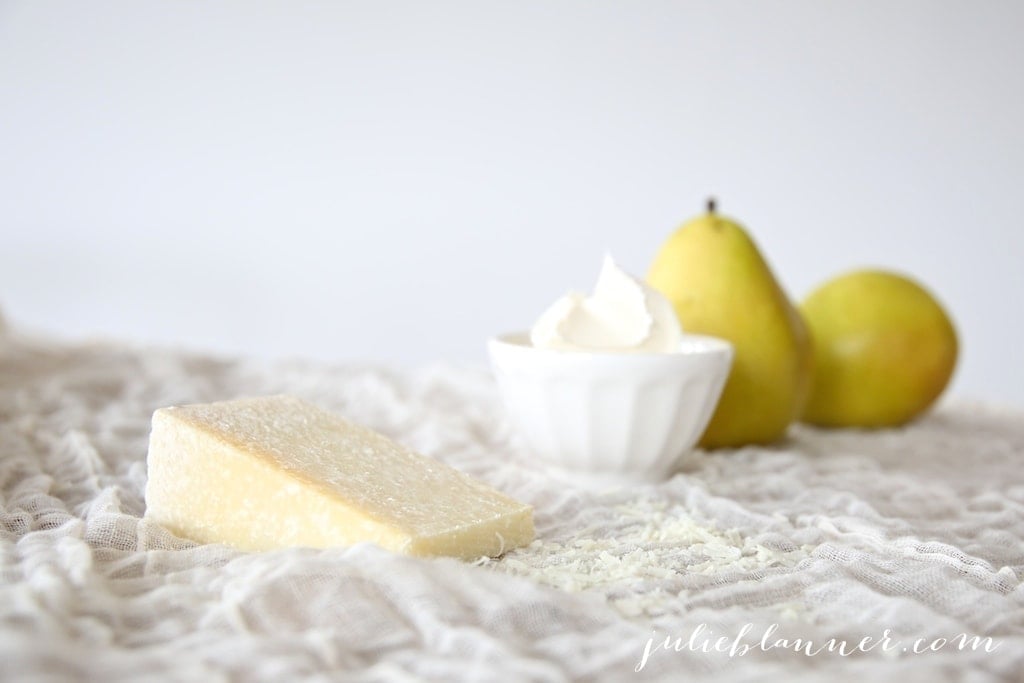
(746, 640)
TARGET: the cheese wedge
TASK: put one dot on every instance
(275, 472)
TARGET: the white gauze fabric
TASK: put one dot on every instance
(831, 534)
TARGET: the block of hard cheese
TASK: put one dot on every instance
(276, 471)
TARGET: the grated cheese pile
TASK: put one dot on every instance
(658, 553)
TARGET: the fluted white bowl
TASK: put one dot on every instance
(606, 419)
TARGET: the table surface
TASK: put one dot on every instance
(754, 564)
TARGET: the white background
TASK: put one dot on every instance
(395, 181)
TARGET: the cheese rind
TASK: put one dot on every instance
(275, 472)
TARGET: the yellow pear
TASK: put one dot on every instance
(884, 350)
(718, 282)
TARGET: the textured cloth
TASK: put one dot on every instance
(917, 532)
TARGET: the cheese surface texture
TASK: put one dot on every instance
(276, 472)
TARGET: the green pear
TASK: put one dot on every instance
(720, 285)
(885, 349)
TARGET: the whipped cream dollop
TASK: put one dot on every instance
(623, 314)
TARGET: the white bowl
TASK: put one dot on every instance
(611, 418)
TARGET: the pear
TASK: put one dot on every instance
(720, 285)
(885, 349)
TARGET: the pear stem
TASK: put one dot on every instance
(711, 204)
